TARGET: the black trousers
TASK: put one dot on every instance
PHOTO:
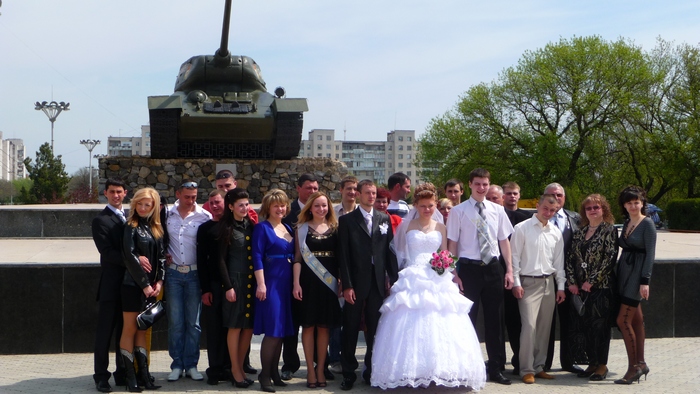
(109, 320)
(513, 325)
(485, 284)
(216, 333)
(565, 358)
(352, 315)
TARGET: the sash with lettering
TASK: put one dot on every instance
(312, 262)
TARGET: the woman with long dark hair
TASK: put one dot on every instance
(235, 244)
(590, 273)
(638, 243)
(143, 238)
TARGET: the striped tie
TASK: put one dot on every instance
(483, 228)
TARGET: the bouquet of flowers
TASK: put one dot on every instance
(442, 261)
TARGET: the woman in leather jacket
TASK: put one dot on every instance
(143, 243)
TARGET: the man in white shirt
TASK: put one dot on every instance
(182, 287)
(399, 185)
(476, 229)
(538, 260)
(348, 195)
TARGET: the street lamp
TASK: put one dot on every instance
(90, 145)
(52, 110)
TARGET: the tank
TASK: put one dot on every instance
(221, 109)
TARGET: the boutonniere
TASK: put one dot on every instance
(383, 228)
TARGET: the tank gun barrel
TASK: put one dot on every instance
(223, 49)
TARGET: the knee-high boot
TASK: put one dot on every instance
(142, 362)
(131, 384)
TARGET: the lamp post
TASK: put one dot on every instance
(90, 145)
(52, 110)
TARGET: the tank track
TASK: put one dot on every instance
(289, 130)
(164, 126)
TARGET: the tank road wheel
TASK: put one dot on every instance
(288, 138)
(164, 132)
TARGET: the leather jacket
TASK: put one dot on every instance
(139, 241)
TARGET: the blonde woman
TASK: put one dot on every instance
(316, 282)
(143, 239)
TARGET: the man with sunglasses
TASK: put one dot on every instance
(567, 222)
(182, 287)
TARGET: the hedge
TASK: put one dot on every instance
(683, 214)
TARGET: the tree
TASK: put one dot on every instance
(48, 175)
(79, 187)
(583, 112)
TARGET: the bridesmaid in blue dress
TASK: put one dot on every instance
(273, 252)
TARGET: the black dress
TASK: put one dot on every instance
(139, 241)
(237, 273)
(636, 260)
(592, 260)
(319, 305)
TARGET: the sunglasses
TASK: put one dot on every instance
(593, 208)
(190, 185)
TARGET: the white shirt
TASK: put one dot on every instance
(537, 250)
(461, 227)
(183, 233)
(340, 211)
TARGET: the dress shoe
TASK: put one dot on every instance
(212, 380)
(247, 368)
(544, 375)
(499, 378)
(573, 369)
(336, 368)
(588, 372)
(347, 384)
(328, 374)
(597, 377)
(194, 374)
(119, 380)
(529, 378)
(286, 375)
(174, 375)
(103, 386)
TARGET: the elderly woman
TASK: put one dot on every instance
(590, 273)
(143, 240)
(638, 243)
(315, 282)
(273, 252)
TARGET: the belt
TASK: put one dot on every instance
(183, 269)
(467, 261)
(536, 276)
(289, 257)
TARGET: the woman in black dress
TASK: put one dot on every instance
(316, 286)
(236, 267)
(638, 243)
(590, 273)
(143, 239)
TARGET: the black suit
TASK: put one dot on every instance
(290, 357)
(107, 232)
(573, 223)
(510, 303)
(365, 259)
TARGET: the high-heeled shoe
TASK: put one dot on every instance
(311, 385)
(588, 372)
(266, 384)
(630, 378)
(597, 377)
(645, 369)
(241, 385)
(250, 381)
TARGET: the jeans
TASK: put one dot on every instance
(183, 307)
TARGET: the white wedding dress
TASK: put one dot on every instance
(425, 334)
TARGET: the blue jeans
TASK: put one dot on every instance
(183, 307)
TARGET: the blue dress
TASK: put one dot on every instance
(274, 255)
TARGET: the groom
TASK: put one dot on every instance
(365, 259)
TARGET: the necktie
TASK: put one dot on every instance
(368, 220)
(121, 215)
(482, 233)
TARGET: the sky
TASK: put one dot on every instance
(366, 67)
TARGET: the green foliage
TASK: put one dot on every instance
(48, 175)
(683, 214)
(590, 114)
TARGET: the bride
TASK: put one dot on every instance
(425, 334)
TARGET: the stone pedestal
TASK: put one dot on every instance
(256, 176)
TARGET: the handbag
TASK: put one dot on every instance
(578, 303)
(152, 312)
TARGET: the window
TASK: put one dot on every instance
(400, 165)
(391, 147)
(328, 146)
(408, 156)
(391, 156)
(319, 155)
(328, 138)
(400, 138)
(328, 155)
(408, 172)
(337, 147)
(400, 147)
(408, 165)
(320, 138)
(408, 138)
(400, 156)
(308, 147)
(337, 156)
(408, 147)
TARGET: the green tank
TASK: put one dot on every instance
(221, 109)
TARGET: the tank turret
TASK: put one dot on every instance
(221, 109)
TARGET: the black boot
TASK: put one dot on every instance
(142, 362)
(131, 384)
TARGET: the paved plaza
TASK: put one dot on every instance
(674, 364)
